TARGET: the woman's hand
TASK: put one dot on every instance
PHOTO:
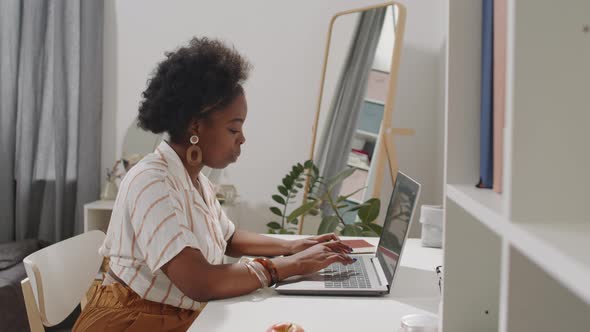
(302, 244)
(318, 257)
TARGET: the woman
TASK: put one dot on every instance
(167, 234)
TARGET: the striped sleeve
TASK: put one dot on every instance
(227, 226)
(159, 234)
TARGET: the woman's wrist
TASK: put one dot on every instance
(289, 247)
(286, 267)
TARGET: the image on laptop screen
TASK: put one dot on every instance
(396, 223)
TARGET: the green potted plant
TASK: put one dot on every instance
(320, 194)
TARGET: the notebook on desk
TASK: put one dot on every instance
(371, 274)
(360, 246)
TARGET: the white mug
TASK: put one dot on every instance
(419, 323)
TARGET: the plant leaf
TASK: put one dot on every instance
(364, 227)
(282, 231)
(328, 224)
(316, 170)
(301, 210)
(339, 177)
(341, 198)
(378, 229)
(299, 185)
(369, 233)
(351, 230)
(283, 190)
(288, 182)
(308, 164)
(278, 199)
(369, 212)
(276, 211)
(354, 208)
(274, 225)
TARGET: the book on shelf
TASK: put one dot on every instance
(486, 160)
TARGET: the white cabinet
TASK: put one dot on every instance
(97, 215)
(520, 260)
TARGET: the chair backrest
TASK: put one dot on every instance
(61, 274)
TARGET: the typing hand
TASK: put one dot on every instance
(320, 256)
(302, 244)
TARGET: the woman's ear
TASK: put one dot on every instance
(194, 127)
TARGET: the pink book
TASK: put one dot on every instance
(500, 22)
(360, 246)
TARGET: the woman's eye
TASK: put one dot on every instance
(233, 131)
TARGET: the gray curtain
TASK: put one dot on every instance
(50, 115)
(336, 141)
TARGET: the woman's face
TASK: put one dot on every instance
(221, 134)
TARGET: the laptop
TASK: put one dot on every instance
(371, 274)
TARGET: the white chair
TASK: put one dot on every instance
(58, 278)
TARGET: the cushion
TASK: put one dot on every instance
(12, 253)
(13, 314)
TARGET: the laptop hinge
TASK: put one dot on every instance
(379, 272)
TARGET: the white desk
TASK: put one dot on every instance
(415, 291)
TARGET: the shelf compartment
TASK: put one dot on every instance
(562, 250)
(484, 203)
(537, 302)
(471, 282)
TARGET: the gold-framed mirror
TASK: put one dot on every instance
(353, 123)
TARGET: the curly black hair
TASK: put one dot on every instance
(191, 82)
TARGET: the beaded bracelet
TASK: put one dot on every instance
(270, 267)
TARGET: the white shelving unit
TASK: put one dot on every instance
(365, 135)
(520, 260)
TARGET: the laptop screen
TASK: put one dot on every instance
(396, 223)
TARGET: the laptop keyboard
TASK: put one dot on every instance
(346, 276)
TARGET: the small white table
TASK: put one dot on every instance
(415, 290)
(97, 215)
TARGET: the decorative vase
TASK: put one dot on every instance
(109, 191)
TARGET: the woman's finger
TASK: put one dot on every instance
(339, 258)
(331, 237)
(338, 246)
(327, 237)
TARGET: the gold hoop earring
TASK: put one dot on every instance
(194, 148)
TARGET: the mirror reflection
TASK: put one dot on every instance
(138, 143)
(351, 109)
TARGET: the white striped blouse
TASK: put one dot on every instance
(157, 213)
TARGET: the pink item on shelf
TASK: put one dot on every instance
(500, 23)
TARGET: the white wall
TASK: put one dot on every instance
(420, 98)
(384, 49)
(285, 42)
